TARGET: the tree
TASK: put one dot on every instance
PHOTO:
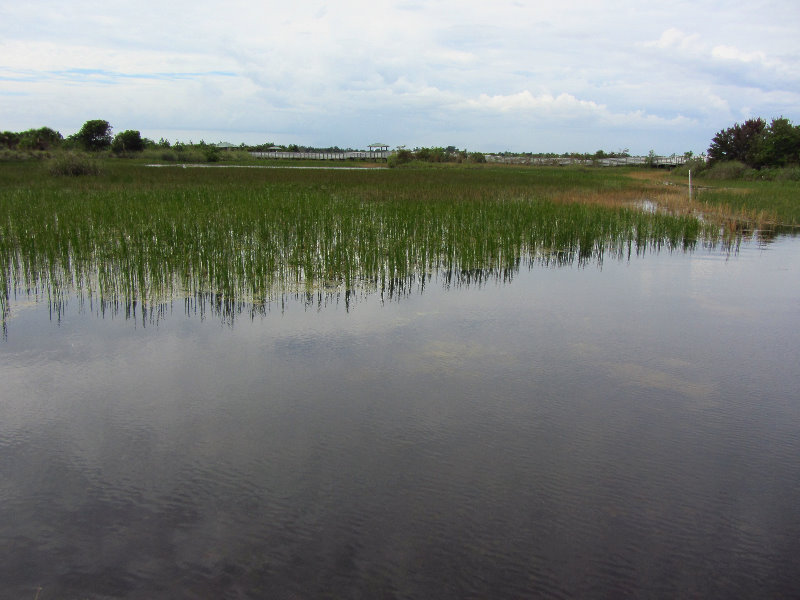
(9, 139)
(757, 144)
(94, 135)
(127, 141)
(779, 145)
(739, 142)
(43, 138)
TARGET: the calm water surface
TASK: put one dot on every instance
(630, 430)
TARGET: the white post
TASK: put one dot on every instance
(690, 185)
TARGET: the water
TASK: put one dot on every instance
(629, 430)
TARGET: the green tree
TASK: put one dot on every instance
(43, 138)
(94, 135)
(10, 139)
(127, 141)
(779, 145)
(740, 142)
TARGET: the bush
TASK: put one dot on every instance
(127, 141)
(401, 157)
(697, 166)
(211, 153)
(73, 164)
(7, 155)
(729, 169)
(788, 174)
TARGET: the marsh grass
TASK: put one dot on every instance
(760, 204)
(73, 164)
(238, 240)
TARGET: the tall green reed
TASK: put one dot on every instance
(241, 240)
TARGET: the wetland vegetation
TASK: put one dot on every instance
(138, 236)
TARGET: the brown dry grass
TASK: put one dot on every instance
(669, 196)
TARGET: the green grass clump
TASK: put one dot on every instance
(73, 164)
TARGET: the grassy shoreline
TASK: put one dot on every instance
(759, 203)
(239, 239)
(135, 234)
(763, 202)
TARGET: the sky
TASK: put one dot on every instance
(489, 75)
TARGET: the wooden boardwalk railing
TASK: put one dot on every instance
(361, 155)
(657, 161)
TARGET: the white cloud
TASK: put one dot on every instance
(673, 38)
(564, 104)
(567, 107)
(732, 53)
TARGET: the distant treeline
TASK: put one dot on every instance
(96, 135)
(754, 144)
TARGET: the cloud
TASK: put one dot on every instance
(732, 53)
(422, 71)
(567, 107)
(564, 104)
(673, 38)
(728, 63)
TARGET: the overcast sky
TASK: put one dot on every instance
(488, 75)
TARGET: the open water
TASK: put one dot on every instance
(630, 429)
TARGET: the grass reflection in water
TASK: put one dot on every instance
(236, 240)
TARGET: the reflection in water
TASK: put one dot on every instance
(575, 433)
(231, 255)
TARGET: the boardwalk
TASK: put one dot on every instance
(658, 161)
(360, 155)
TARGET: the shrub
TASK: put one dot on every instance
(7, 155)
(788, 174)
(73, 164)
(211, 153)
(127, 141)
(400, 157)
(729, 169)
(696, 165)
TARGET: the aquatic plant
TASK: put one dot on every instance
(239, 239)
